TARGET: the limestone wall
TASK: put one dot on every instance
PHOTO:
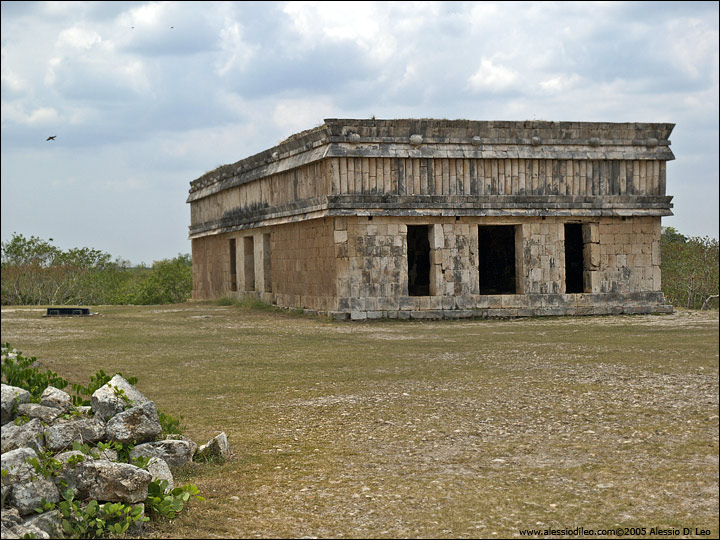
(293, 265)
(621, 257)
(211, 267)
(304, 265)
(359, 265)
(629, 255)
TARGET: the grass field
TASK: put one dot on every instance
(417, 429)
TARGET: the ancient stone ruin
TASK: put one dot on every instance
(119, 412)
(437, 218)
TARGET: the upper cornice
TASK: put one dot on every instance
(433, 138)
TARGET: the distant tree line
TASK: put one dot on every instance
(35, 272)
(689, 267)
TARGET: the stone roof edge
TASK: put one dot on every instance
(293, 145)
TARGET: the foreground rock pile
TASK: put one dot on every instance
(118, 412)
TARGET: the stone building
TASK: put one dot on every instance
(431, 218)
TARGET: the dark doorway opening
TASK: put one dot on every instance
(249, 256)
(418, 250)
(496, 249)
(573, 258)
(233, 267)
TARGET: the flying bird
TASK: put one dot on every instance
(50, 138)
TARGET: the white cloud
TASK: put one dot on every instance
(560, 83)
(78, 37)
(51, 70)
(99, 70)
(41, 116)
(483, 14)
(363, 23)
(694, 47)
(11, 79)
(293, 115)
(491, 77)
(236, 52)
(147, 14)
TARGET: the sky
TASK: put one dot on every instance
(144, 97)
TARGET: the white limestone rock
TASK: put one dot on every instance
(61, 435)
(54, 397)
(29, 434)
(218, 446)
(108, 481)
(115, 397)
(41, 412)
(161, 471)
(139, 425)
(48, 522)
(10, 398)
(16, 465)
(175, 452)
(28, 489)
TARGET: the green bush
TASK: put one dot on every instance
(689, 267)
(23, 373)
(94, 520)
(169, 282)
(166, 505)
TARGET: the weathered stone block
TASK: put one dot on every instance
(49, 523)
(27, 488)
(28, 435)
(217, 447)
(63, 433)
(113, 397)
(160, 470)
(42, 413)
(138, 425)
(54, 397)
(107, 481)
(11, 397)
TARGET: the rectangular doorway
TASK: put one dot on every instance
(233, 266)
(496, 261)
(574, 267)
(249, 262)
(418, 254)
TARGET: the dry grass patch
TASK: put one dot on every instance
(418, 429)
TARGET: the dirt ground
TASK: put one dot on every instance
(442, 429)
